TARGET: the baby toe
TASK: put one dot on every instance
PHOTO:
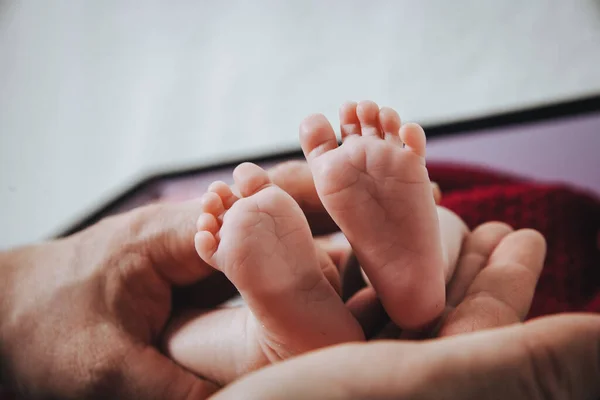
(250, 179)
(368, 115)
(212, 203)
(316, 136)
(349, 123)
(390, 124)
(208, 222)
(224, 191)
(206, 245)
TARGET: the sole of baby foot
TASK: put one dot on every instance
(376, 187)
(262, 242)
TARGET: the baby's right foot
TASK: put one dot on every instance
(263, 244)
(376, 188)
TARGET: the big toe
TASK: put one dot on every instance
(413, 137)
(250, 178)
(316, 136)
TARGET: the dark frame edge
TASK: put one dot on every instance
(529, 115)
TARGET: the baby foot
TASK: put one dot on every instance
(263, 244)
(376, 188)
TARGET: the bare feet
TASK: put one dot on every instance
(376, 188)
(263, 244)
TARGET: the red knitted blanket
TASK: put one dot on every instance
(568, 218)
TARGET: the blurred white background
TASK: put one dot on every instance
(95, 95)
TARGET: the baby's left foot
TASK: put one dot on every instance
(263, 244)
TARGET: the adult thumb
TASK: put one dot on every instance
(551, 358)
(165, 232)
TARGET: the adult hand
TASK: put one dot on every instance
(493, 284)
(555, 357)
(550, 358)
(80, 317)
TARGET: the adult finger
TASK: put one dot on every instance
(366, 307)
(502, 291)
(164, 234)
(454, 233)
(477, 248)
(437, 192)
(474, 255)
(337, 247)
(555, 357)
(329, 268)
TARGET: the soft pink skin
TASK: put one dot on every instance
(263, 244)
(379, 194)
